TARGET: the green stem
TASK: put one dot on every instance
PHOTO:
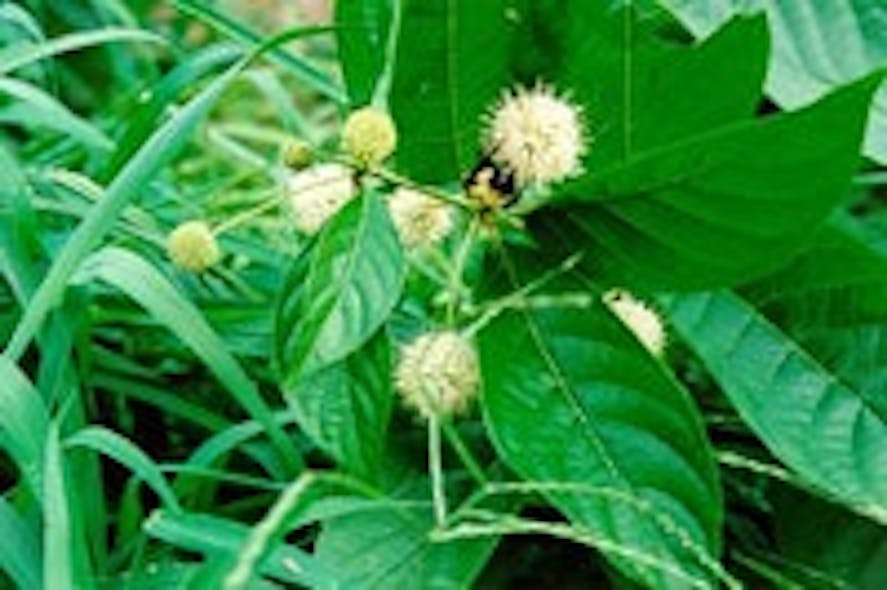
(435, 466)
(455, 287)
(248, 215)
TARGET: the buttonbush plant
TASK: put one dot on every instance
(443, 294)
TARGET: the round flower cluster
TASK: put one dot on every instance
(420, 219)
(643, 321)
(192, 246)
(438, 374)
(317, 193)
(536, 135)
(369, 136)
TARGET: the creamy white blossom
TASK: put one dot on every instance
(537, 135)
(317, 193)
(638, 317)
(192, 246)
(438, 373)
(420, 219)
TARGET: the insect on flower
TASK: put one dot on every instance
(490, 185)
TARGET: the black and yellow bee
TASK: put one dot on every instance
(491, 186)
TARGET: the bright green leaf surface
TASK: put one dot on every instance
(570, 396)
(451, 65)
(817, 425)
(341, 289)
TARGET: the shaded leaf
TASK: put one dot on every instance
(390, 548)
(817, 425)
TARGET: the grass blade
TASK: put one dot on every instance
(161, 146)
(22, 54)
(19, 548)
(23, 423)
(145, 284)
(122, 450)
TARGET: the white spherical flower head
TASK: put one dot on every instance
(192, 246)
(420, 219)
(438, 374)
(643, 322)
(317, 193)
(536, 135)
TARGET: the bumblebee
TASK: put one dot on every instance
(491, 186)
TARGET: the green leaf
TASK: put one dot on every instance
(451, 65)
(44, 109)
(306, 72)
(721, 208)
(390, 548)
(340, 290)
(817, 46)
(58, 535)
(125, 452)
(24, 422)
(363, 27)
(137, 278)
(20, 556)
(214, 536)
(21, 54)
(156, 151)
(570, 397)
(817, 425)
(640, 92)
(832, 299)
(853, 553)
(346, 407)
(145, 116)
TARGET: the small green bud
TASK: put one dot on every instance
(298, 154)
(192, 246)
(369, 136)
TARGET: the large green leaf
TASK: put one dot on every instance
(817, 46)
(363, 27)
(390, 548)
(833, 300)
(570, 397)
(346, 407)
(340, 290)
(451, 64)
(720, 208)
(821, 427)
(640, 91)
